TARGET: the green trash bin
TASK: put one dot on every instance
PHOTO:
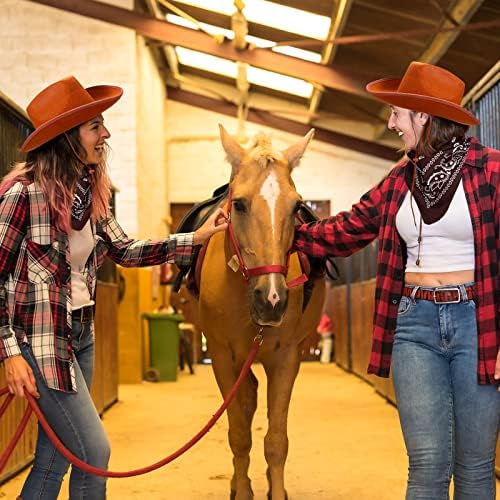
(163, 345)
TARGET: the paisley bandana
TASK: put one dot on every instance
(82, 203)
(437, 178)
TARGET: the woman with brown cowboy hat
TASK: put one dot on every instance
(55, 230)
(437, 301)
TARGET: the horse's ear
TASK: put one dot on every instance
(234, 151)
(294, 153)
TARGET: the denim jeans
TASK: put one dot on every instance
(449, 421)
(75, 420)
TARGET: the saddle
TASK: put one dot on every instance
(201, 212)
(190, 222)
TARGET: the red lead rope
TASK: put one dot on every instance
(33, 406)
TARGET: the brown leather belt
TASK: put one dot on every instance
(441, 295)
(83, 314)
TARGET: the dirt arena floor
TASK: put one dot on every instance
(345, 441)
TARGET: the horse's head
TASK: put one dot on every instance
(263, 208)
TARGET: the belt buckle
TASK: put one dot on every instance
(449, 289)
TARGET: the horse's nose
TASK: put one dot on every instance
(271, 299)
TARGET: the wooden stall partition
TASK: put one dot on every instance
(385, 387)
(142, 294)
(14, 127)
(23, 452)
(337, 303)
(381, 385)
(362, 296)
(105, 382)
(362, 303)
(497, 463)
(391, 395)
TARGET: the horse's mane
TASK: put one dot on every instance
(262, 152)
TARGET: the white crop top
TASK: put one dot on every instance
(447, 245)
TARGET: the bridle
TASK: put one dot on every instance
(251, 272)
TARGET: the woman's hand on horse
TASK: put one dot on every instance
(215, 223)
(19, 376)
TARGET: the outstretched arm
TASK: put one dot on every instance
(344, 233)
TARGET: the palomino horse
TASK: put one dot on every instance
(262, 214)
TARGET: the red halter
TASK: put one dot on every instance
(250, 272)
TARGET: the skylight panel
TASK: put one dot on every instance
(273, 15)
(257, 76)
(306, 55)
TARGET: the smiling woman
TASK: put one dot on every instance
(93, 136)
(437, 218)
(55, 230)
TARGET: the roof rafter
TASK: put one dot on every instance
(340, 14)
(462, 13)
(374, 6)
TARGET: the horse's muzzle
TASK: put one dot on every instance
(269, 300)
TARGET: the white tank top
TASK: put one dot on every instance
(81, 244)
(447, 245)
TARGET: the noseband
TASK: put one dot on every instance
(251, 272)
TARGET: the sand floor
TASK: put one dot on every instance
(345, 440)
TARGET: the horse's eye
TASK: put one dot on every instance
(297, 207)
(239, 206)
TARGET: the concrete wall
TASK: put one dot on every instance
(197, 165)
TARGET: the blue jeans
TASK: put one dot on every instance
(449, 421)
(75, 420)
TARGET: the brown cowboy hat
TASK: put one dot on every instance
(427, 88)
(64, 105)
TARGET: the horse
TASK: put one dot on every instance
(233, 308)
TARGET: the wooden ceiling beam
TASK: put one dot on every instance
(268, 119)
(401, 13)
(339, 16)
(169, 33)
(462, 13)
(224, 21)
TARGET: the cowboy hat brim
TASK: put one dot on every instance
(386, 90)
(104, 97)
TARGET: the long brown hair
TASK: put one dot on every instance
(56, 169)
(436, 133)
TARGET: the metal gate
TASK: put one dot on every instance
(484, 101)
(14, 128)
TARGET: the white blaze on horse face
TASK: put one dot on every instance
(270, 191)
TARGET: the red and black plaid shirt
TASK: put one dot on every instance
(375, 216)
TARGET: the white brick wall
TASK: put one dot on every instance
(197, 165)
(40, 45)
(151, 159)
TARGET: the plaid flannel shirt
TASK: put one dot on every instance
(375, 216)
(35, 277)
